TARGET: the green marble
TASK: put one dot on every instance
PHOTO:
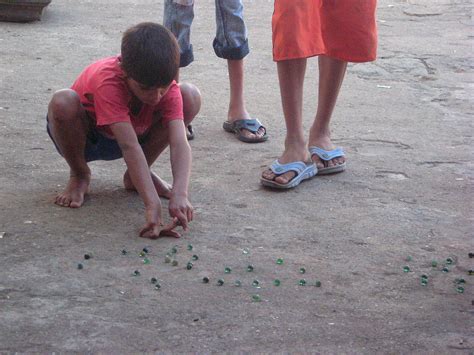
(256, 298)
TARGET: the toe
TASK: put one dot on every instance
(76, 202)
(285, 178)
(63, 201)
(268, 174)
(247, 134)
(317, 161)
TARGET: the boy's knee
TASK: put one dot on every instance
(64, 104)
(191, 101)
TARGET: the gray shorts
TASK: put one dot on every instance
(231, 34)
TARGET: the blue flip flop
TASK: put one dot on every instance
(327, 155)
(252, 125)
(303, 171)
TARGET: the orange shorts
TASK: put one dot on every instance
(343, 29)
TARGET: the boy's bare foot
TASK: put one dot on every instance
(162, 187)
(73, 194)
(325, 143)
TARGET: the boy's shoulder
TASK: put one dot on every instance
(103, 72)
(105, 67)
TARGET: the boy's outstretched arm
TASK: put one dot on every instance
(180, 156)
(140, 174)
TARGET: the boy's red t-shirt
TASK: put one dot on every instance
(105, 95)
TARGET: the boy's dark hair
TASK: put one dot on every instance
(150, 54)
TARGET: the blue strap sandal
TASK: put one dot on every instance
(327, 155)
(252, 125)
(303, 171)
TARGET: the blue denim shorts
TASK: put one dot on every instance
(231, 34)
(98, 146)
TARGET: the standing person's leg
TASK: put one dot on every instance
(291, 77)
(68, 126)
(231, 43)
(331, 76)
(178, 17)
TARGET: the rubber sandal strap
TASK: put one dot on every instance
(252, 125)
(298, 167)
(326, 154)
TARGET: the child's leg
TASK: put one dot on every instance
(69, 124)
(331, 75)
(231, 43)
(291, 77)
(157, 138)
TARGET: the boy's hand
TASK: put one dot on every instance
(181, 209)
(153, 221)
(153, 231)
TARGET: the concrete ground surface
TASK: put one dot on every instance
(405, 122)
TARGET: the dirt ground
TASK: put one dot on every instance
(405, 122)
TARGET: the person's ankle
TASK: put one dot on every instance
(80, 174)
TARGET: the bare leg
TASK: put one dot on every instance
(157, 139)
(291, 76)
(237, 110)
(69, 126)
(331, 76)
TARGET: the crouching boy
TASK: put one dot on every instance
(129, 106)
